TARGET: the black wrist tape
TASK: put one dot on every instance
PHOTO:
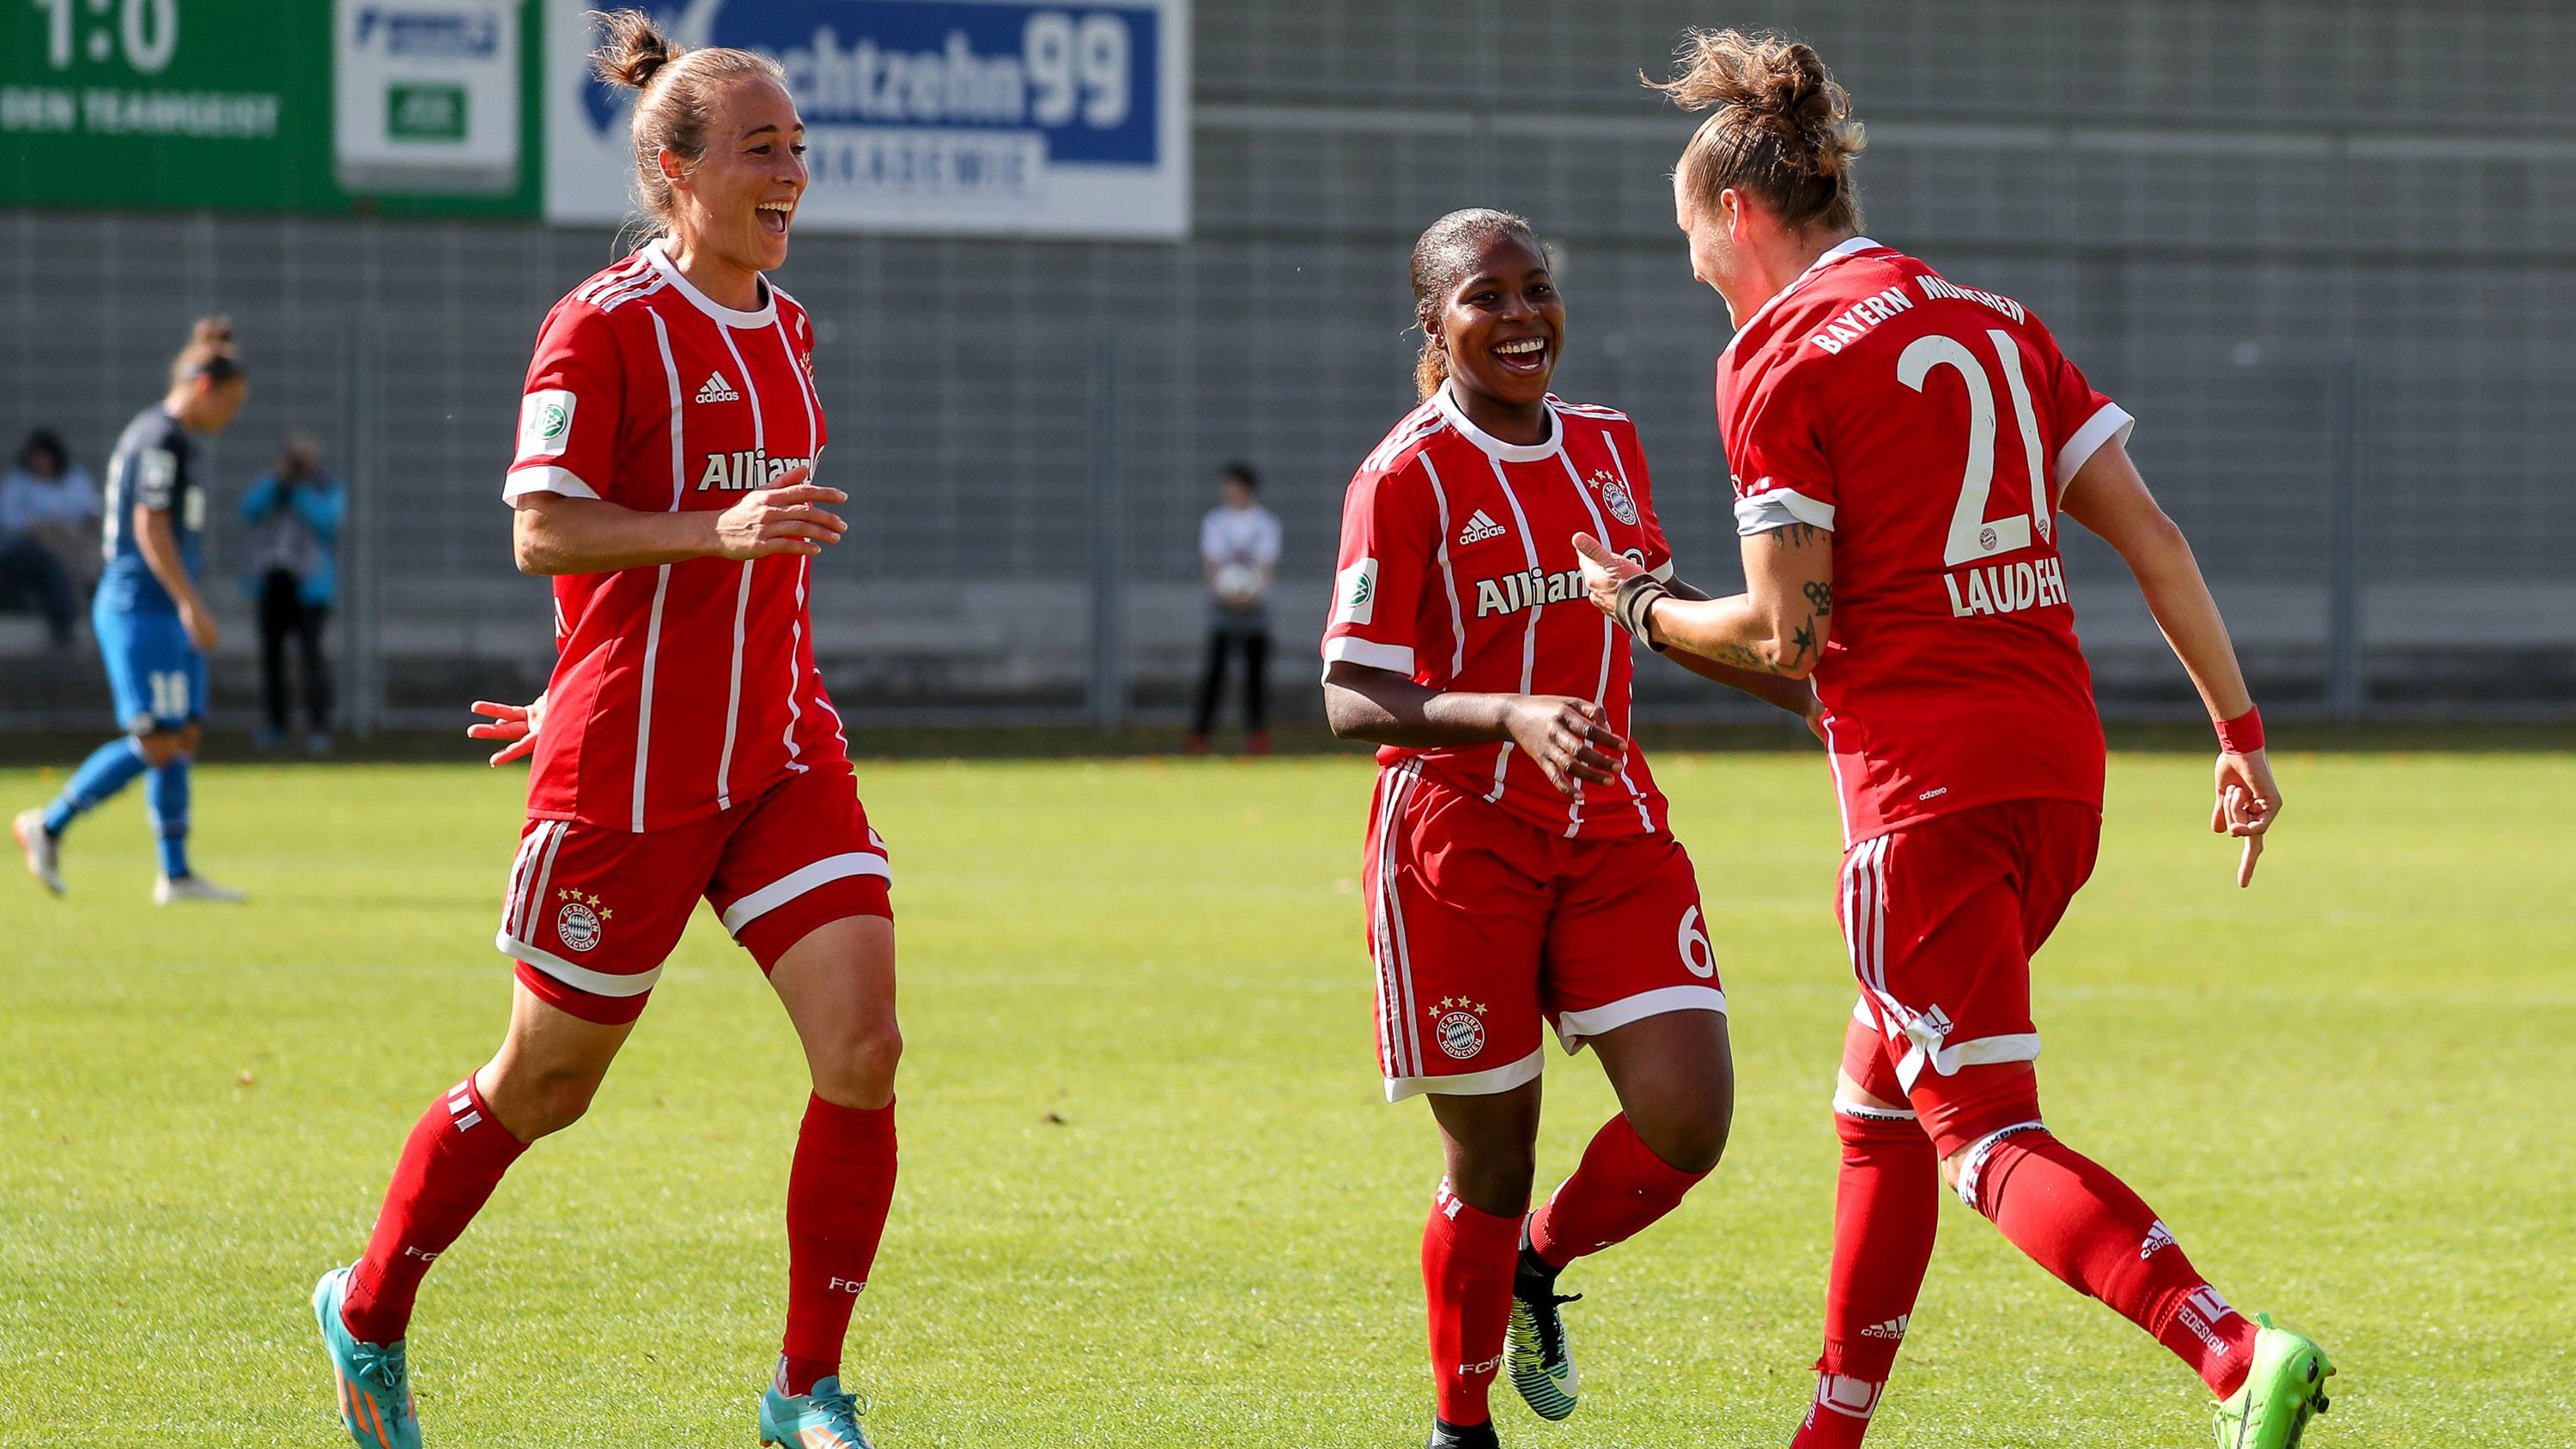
(1637, 600)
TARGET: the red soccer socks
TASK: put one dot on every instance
(1887, 1203)
(1467, 1262)
(2081, 1223)
(449, 1166)
(838, 1192)
(1620, 1187)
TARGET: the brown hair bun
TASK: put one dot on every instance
(1782, 127)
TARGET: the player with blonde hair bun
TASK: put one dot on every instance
(1905, 448)
(669, 428)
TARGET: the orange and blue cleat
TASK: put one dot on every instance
(373, 1384)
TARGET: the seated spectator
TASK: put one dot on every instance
(49, 515)
(294, 515)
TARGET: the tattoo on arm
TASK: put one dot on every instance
(1805, 638)
(1821, 594)
(1793, 535)
(1742, 658)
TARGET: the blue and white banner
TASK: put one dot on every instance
(924, 117)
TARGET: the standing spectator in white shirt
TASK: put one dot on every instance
(1238, 552)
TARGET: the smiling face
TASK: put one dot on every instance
(739, 200)
(1502, 324)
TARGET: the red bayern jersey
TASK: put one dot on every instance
(1930, 427)
(1458, 570)
(682, 689)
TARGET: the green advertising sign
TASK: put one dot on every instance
(403, 106)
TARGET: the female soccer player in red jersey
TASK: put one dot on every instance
(1903, 448)
(688, 748)
(1519, 862)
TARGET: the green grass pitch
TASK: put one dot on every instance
(1150, 1196)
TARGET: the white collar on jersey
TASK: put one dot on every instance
(766, 316)
(1495, 447)
(1852, 247)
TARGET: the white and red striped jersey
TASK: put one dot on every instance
(681, 689)
(1458, 570)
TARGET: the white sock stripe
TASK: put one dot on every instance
(1865, 1112)
(1973, 1162)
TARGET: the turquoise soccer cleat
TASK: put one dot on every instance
(372, 1381)
(823, 1419)
(1539, 1361)
(2286, 1388)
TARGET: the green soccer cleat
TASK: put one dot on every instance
(2286, 1388)
(823, 1419)
(1539, 1361)
(373, 1383)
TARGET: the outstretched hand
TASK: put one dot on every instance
(515, 725)
(2248, 802)
(1604, 572)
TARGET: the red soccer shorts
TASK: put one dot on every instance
(1942, 918)
(1482, 924)
(593, 911)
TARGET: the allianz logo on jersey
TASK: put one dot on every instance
(744, 471)
(1533, 589)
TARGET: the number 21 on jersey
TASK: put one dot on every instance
(1972, 535)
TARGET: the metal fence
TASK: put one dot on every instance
(2320, 249)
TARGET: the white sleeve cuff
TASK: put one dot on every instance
(1779, 508)
(2111, 422)
(549, 479)
(1663, 572)
(1393, 658)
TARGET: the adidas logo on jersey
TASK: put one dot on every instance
(2157, 1237)
(1478, 529)
(718, 390)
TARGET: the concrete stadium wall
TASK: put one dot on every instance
(2313, 246)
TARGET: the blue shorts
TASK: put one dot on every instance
(158, 676)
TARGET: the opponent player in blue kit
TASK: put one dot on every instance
(153, 627)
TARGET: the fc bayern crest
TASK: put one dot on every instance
(1461, 1035)
(1460, 1029)
(1615, 493)
(577, 925)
